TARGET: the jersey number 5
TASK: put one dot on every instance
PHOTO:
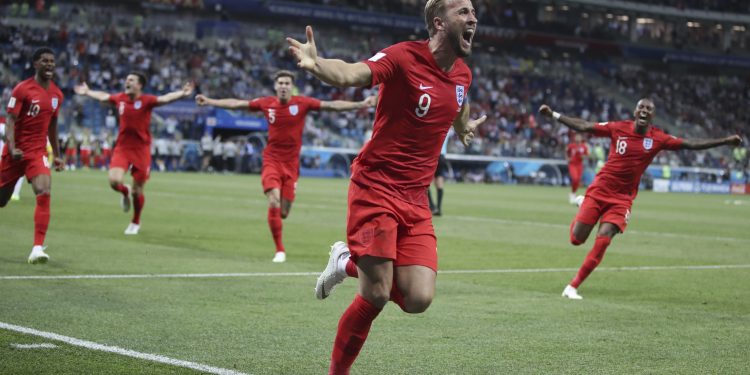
(423, 105)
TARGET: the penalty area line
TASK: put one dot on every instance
(298, 274)
(117, 350)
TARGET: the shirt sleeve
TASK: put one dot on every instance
(255, 104)
(113, 98)
(15, 102)
(604, 129)
(312, 104)
(386, 64)
(670, 142)
(152, 101)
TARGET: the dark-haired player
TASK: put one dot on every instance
(133, 147)
(390, 237)
(32, 120)
(635, 143)
(285, 114)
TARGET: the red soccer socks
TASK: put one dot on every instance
(41, 218)
(592, 260)
(354, 326)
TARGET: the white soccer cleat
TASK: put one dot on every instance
(125, 202)
(132, 229)
(332, 275)
(579, 201)
(15, 197)
(280, 257)
(572, 198)
(571, 293)
(38, 256)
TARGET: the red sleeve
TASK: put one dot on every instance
(604, 129)
(151, 101)
(386, 64)
(670, 142)
(255, 104)
(16, 101)
(312, 104)
(113, 98)
(585, 149)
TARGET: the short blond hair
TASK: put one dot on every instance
(433, 8)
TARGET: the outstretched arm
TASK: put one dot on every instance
(229, 103)
(702, 144)
(83, 89)
(576, 124)
(186, 91)
(464, 126)
(344, 105)
(331, 71)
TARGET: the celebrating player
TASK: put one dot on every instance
(574, 154)
(389, 224)
(286, 118)
(133, 146)
(608, 200)
(32, 120)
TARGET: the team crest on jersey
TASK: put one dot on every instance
(460, 95)
(294, 110)
(648, 143)
(54, 103)
(137, 104)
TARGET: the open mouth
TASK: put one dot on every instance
(467, 37)
(643, 117)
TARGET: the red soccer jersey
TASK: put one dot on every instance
(34, 107)
(135, 119)
(629, 156)
(576, 152)
(418, 103)
(286, 122)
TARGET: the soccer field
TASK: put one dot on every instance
(197, 287)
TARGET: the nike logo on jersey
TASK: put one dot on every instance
(423, 87)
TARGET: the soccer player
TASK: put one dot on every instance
(32, 119)
(392, 247)
(286, 120)
(635, 143)
(574, 154)
(439, 181)
(133, 147)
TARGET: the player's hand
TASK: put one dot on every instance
(188, 88)
(468, 133)
(545, 110)
(370, 101)
(201, 100)
(81, 89)
(59, 164)
(734, 140)
(16, 154)
(306, 54)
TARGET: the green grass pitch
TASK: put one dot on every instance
(662, 320)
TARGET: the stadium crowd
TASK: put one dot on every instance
(509, 87)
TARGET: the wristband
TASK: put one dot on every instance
(556, 115)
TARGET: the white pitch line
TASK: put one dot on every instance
(117, 350)
(298, 274)
(44, 345)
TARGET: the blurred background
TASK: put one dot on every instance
(585, 58)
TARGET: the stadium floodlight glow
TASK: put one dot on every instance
(693, 24)
(623, 18)
(585, 15)
(564, 8)
(738, 28)
(642, 21)
(549, 8)
(719, 27)
(610, 16)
